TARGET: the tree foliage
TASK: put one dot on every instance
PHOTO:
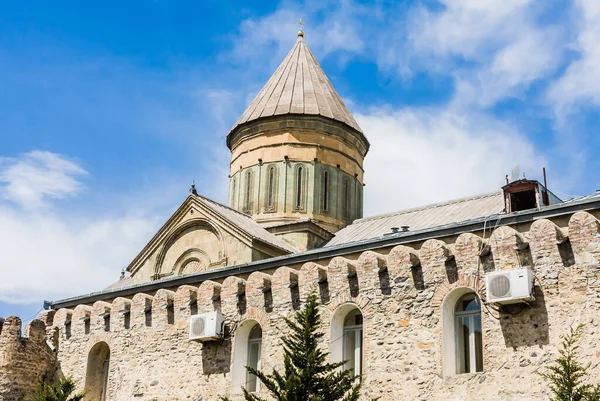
(567, 376)
(61, 389)
(307, 374)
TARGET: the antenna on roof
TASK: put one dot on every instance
(514, 174)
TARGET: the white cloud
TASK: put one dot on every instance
(437, 155)
(47, 255)
(581, 81)
(38, 176)
(492, 52)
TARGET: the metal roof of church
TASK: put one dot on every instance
(423, 217)
(298, 86)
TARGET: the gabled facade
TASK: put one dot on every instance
(202, 235)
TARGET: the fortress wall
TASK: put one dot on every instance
(401, 293)
(24, 360)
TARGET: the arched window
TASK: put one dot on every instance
(254, 356)
(299, 177)
(469, 348)
(247, 352)
(462, 333)
(325, 191)
(271, 193)
(248, 192)
(347, 337)
(96, 379)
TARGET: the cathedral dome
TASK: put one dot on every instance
(298, 87)
(297, 155)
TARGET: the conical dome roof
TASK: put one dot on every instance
(298, 86)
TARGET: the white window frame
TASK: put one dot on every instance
(357, 331)
(460, 352)
(252, 342)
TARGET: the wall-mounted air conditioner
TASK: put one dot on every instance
(509, 286)
(206, 326)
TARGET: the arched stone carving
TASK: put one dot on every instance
(184, 228)
(191, 261)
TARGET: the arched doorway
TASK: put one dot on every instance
(96, 378)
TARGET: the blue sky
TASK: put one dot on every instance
(109, 110)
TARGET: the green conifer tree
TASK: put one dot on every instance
(567, 375)
(307, 374)
(61, 389)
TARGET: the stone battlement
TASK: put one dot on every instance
(24, 360)
(431, 265)
(400, 292)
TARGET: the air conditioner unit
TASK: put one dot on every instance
(509, 286)
(206, 326)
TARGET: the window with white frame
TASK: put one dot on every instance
(254, 358)
(468, 336)
(353, 328)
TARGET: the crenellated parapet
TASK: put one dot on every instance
(24, 359)
(436, 266)
(400, 290)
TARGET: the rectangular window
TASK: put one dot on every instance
(469, 344)
(254, 351)
(353, 349)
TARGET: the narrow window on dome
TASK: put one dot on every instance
(299, 187)
(270, 200)
(233, 193)
(325, 191)
(248, 193)
(346, 199)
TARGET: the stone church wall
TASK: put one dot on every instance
(402, 295)
(23, 360)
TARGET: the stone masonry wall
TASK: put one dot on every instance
(23, 360)
(401, 292)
